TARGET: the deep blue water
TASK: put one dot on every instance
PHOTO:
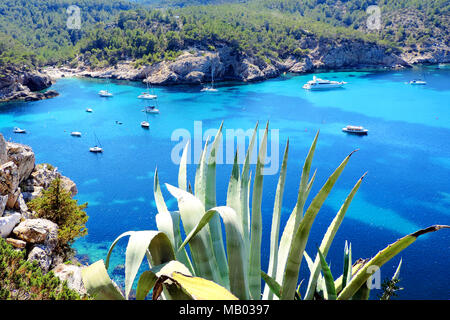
(406, 155)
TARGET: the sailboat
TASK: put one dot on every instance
(105, 93)
(147, 95)
(96, 148)
(145, 124)
(210, 89)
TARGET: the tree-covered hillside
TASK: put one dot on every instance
(35, 32)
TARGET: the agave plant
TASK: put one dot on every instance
(228, 266)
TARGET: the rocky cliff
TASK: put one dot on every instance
(16, 84)
(197, 65)
(21, 181)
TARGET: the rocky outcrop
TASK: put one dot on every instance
(21, 181)
(71, 274)
(16, 84)
(197, 65)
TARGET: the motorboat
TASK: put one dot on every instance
(417, 82)
(105, 93)
(151, 109)
(320, 84)
(145, 124)
(355, 130)
(18, 130)
(89, 110)
(75, 134)
(96, 149)
(118, 122)
(147, 95)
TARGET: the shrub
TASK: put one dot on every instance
(57, 205)
(23, 280)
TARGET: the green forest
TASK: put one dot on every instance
(34, 32)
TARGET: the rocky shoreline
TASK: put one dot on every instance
(24, 85)
(21, 180)
(197, 66)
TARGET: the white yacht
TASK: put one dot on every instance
(151, 109)
(96, 149)
(105, 93)
(355, 130)
(417, 82)
(75, 134)
(18, 130)
(320, 84)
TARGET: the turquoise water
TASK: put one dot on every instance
(406, 155)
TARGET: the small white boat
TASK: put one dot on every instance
(75, 134)
(96, 149)
(105, 93)
(355, 130)
(18, 130)
(321, 84)
(148, 96)
(145, 124)
(89, 110)
(209, 89)
(417, 82)
(151, 109)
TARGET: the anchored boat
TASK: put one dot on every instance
(355, 130)
(320, 84)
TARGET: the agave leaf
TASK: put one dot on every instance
(146, 282)
(159, 199)
(139, 242)
(328, 277)
(381, 258)
(328, 239)
(233, 192)
(274, 234)
(191, 211)
(98, 284)
(244, 212)
(182, 170)
(200, 176)
(338, 283)
(256, 223)
(169, 223)
(237, 256)
(201, 289)
(271, 283)
(150, 278)
(298, 245)
(347, 274)
(297, 214)
(210, 202)
(397, 271)
(363, 293)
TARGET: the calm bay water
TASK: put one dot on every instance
(406, 155)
